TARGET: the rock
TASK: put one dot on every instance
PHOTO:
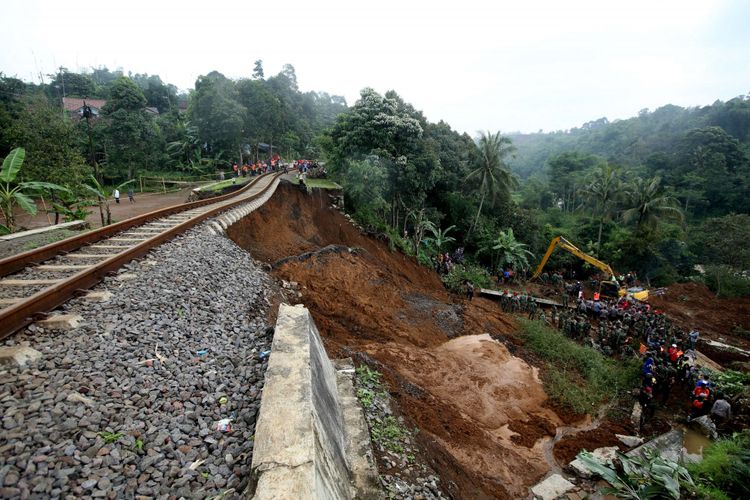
(552, 487)
(706, 426)
(75, 397)
(19, 356)
(635, 415)
(630, 441)
(62, 322)
(602, 455)
(88, 484)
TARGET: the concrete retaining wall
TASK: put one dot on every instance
(301, 440)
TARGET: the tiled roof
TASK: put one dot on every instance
(73, 103)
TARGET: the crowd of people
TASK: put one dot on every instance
(625, 327)
(444, 262)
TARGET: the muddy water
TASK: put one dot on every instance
(695, 442)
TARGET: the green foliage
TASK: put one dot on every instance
(111, 437)
(454, 280)
(368, 377)
(128, 130)
(731, 382)
(14, 193)
(727, 281)
(724, 471)
(577, 376)
(494, 176)
(50, 142)
(439, 238)
(509, 251)
(138, 445)
(641, 477)
(389, 434)
(366, 397)
(723, 241)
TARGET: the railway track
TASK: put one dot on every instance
(35, 282)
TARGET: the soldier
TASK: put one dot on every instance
(532, 308)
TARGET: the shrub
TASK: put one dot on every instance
(727, 282)
(576, 376)
(724, 471)
(454, 280)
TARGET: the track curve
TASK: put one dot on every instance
(39, 280)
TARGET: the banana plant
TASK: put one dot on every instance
(20, 194)
(102, 194)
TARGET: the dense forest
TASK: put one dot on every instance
(657, 194)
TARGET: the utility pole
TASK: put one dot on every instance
(62, 80)
(92, 159)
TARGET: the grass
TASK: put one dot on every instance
(724, 471)
(218, 186)
(575, 376)
(322, 183)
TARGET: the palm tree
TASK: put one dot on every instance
(510, 251)
(649, 205)
(439, 237)
(495, 177)
(602, 191)
(14, 193)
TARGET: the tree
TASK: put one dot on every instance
(49, 142)
(510, 251)
(215, 110)
(14, 193)
(602, 191)
(495, 178)
(439, 237)
(258, 70)
(131, 134)
(649, 205)
(186, 151)
(103, 194)
(565, 172)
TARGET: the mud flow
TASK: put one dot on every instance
(483, 416)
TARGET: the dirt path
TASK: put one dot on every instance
(482, 413)
(144, 203)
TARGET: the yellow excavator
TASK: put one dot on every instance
(608, 287)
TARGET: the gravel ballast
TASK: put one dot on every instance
(127, 404)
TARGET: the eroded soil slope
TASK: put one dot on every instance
(482, 412)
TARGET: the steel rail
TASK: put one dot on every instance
(14, 263)
(22, 313)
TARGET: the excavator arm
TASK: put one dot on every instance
(561, 242)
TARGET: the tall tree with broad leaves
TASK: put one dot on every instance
(14, 193)
(649, 205)
(602, 191)
(494, 175)
(509, 251)
(130, 131)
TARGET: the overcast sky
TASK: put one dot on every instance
(523, 65)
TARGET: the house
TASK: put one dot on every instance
(74, 106)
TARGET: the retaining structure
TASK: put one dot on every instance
(305, 438)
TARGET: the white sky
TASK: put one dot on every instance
(495, 65)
